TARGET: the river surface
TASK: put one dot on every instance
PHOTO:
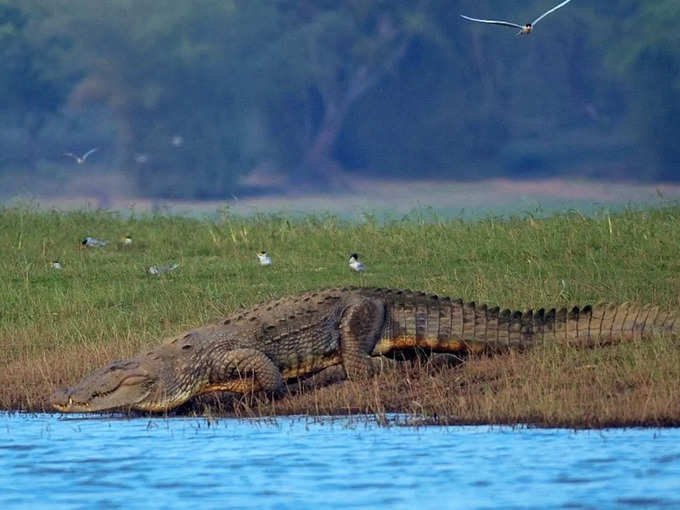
(298, 463)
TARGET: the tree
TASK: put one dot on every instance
(329, 56)
(164, 74)
(650, 68)
(28, 91)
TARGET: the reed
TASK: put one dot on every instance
(58, 325)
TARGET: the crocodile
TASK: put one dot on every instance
(349, 329)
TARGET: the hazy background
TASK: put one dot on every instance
(203, 100)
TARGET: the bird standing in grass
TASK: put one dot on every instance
(156, 270)
(92, 242)
(56, 265)
(523, 29)
(265, 259)
(126, 242)
(355, 264)
(81, 159)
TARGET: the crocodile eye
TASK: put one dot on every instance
(186, 347)
(133, 380)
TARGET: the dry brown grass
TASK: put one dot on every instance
(625, 385)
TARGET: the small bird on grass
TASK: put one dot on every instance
(81, 159)
(56, 265)
(93, 242)
(355, 264)
(127, 240)
(265, 259)
(156, 270)
(523, 29)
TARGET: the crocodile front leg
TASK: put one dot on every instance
(244, 371)
(359, 330)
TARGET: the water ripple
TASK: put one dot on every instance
(298, 463)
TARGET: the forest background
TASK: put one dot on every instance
(204, 99)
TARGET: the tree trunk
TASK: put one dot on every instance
(319, 170)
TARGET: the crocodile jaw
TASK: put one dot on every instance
(120, 385)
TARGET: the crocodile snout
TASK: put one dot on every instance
(61, 398)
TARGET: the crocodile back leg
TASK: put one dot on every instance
(360, 327)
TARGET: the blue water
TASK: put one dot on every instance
(50, 461)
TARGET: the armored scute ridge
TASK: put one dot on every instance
(349, 329)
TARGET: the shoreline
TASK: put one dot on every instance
(470, 199)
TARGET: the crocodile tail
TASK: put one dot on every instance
(608, 323)
(445, 325)
(582, 326)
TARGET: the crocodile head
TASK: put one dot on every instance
(156, 381)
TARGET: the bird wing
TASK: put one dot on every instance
(71, 155)
(551, 10)
(90, 152)
(493, 22)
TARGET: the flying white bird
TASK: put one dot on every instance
(81, 159)
(355, 264)
(265, 259)
(523, 29)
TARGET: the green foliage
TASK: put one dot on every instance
(651, 65)
(390, 88)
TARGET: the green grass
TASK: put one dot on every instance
(104, 297)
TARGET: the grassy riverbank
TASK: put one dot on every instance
(58, 325)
